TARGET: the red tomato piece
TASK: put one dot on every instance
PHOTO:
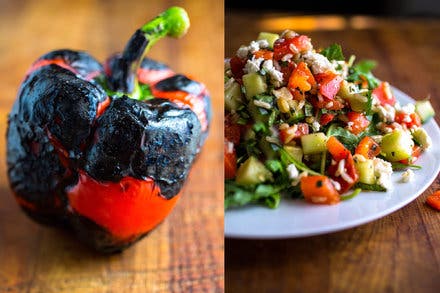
(408, 120)
(357, 122)
(329, 84)
(434, 200)
(297, 44)
(383, 94)
(230, 160)
(265, 54)
(337, 149)
(351, 176)
(294, 132)
(237, 65)
(416, 152)
(368, 148)
(326, 118)
(301, 78)
(232, 130)
(319, 189)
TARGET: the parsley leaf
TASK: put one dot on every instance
(362, 70)
(265, 194)
(333, 52)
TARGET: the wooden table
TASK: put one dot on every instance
(185, 253)
(398, 253)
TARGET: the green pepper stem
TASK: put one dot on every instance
(174, 22)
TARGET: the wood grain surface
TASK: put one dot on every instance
(185, 253)
(398, 253)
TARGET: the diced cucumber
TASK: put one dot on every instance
(314, 143)
(269, 37)
(296, 116)
(295, 151)
(425, 110)
(397, 145)
(259, 115)
(421, 137)
(252, 172)
(254, 84)
(365, 169)
(233, 96)
(357, 101)
(268, 149)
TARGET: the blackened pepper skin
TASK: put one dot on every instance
(90, 151)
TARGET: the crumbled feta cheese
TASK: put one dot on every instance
(230, 147)
(377, 138)
(383, 171)
(317, 62)
(292, 171)
(316, 126)
(407, 176)
(282, 93)
(276, 77)
(262, 104)
(423, 138)
(242, 52)
(408, 109)
(386, 113)
(253, 65)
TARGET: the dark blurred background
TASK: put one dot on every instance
(371, 7)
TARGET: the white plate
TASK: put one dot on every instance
(296, 218)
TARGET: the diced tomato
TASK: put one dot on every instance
(434, 200)
(301, 78)
(357, 122)
(329, 84)
(339, 152)
(319, 189)
(326, 118)
(349, 170)
(293, 132)
(383, 94)
(237, 65)
(368, 148)
(297, 44)
(408, 120)
(416, 152)
(230, 159)
(337, 149)
(265, 54)
(232, 130)
(333, 105)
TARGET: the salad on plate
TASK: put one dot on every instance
(308, 123)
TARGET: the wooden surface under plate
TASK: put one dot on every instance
(398, 253)
(185, 253)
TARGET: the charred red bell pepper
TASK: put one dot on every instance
(106, 152)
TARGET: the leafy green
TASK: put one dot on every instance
(333, 52)
(348, 139)
(265, 194)
(352, 195)
(363, 69)
(370, 187)
(401, 166)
